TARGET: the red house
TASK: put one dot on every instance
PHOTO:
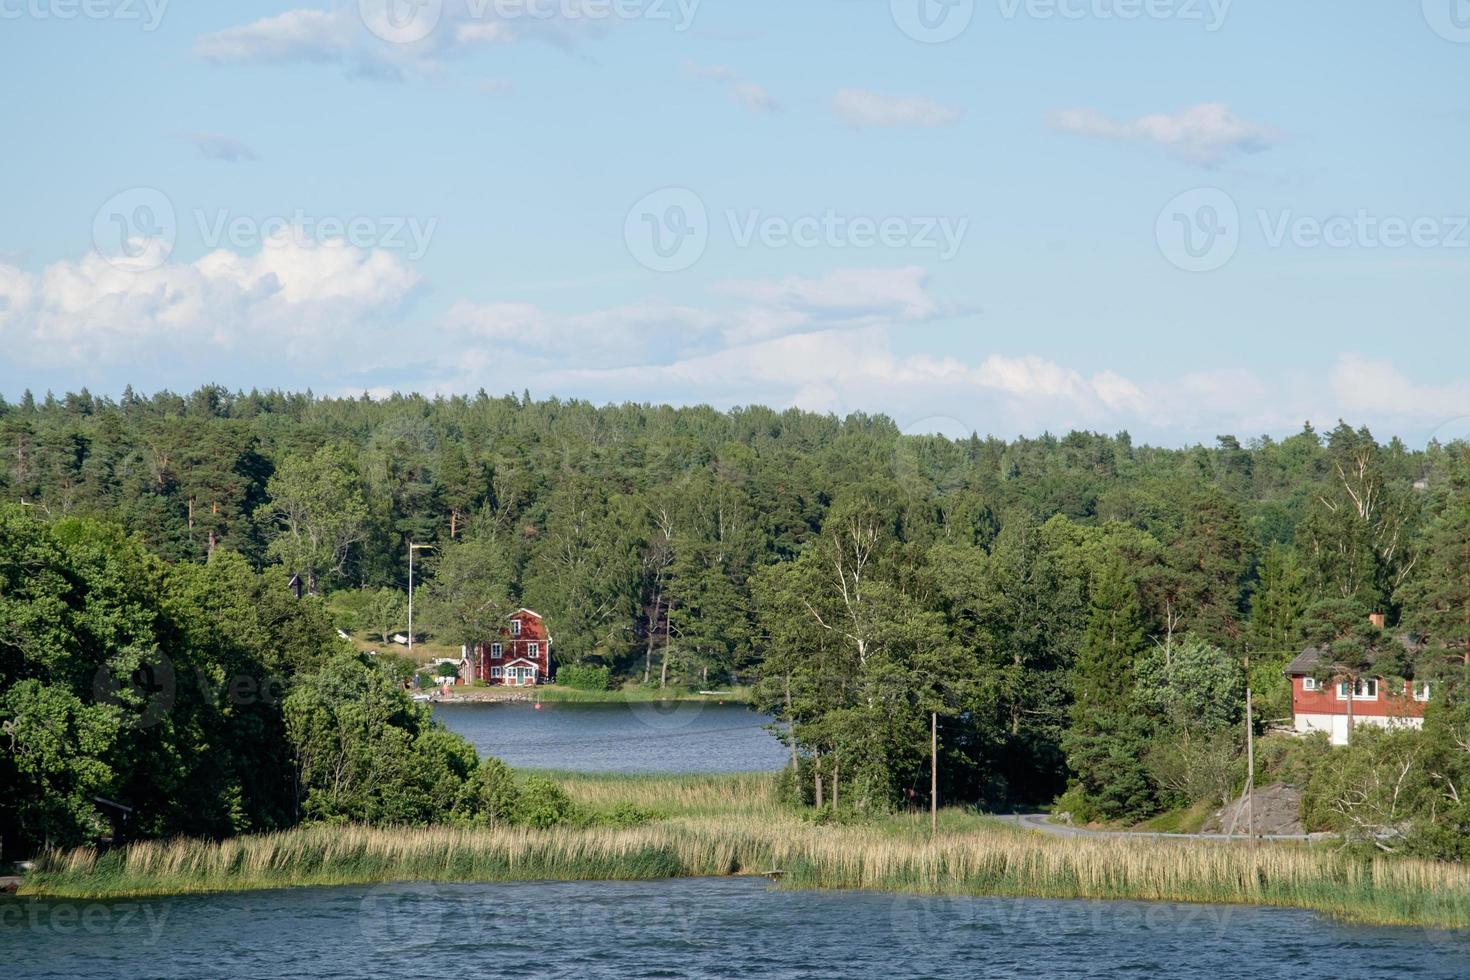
(1319, 705)
(520, 657)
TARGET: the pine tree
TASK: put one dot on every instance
(1106, 741)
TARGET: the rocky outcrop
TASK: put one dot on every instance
(1274, 810)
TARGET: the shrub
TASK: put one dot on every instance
(543, 803)
(489, 796)
(584, 678)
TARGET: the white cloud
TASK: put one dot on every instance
(221, 148)
(293, 299)
(862, 110)
(751, 95)
(715, 73)
(1204, 134)
(296, 35)
(644, 333)
(1363, 386)
(357, 38)
(846, 298)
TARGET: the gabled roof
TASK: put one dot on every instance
(1305, 662)
(528, 612)
(522, 660)
(1311, 659)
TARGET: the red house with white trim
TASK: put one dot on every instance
(520, 657)
(1319, 705)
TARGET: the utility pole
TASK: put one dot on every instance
(411, 549)
(1250, 751)
(934, 774)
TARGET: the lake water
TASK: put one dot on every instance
(633, 736)
(692, 928)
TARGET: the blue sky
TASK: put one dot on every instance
(1178, 217)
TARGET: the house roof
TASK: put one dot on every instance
(1305, 662)
(528, 612)
(523, 660)
(1310, 660)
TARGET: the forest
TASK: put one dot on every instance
(1082, 615)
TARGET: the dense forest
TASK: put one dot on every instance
(1081, 613)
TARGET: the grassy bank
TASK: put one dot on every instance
(734, 825)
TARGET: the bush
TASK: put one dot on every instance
(489, 796)
(543, 803)
(621, 816)
(1075, 803)
(584, 678)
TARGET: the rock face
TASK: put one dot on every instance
(1277, 809)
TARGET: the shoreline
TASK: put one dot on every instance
(1363, 897)
(550, 694)
(724, 826)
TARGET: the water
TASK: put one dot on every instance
(634, 736)
(692, 928)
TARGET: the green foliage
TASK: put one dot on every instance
(1106, 741)
(584, 678)
(365, 753)
(876, 577)
(543, 803)
(469, 597)
(155, 687)
(489, 797)
(317, 513)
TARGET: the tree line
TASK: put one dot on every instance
(1081, 613)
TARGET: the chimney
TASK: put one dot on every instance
(1378, 619)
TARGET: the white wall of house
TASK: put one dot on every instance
(1336, 726)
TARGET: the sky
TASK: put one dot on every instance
(1182, 218)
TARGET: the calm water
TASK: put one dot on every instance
(696, 928)
(624, 737)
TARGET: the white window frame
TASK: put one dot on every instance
(1311, 684)
(496, 652)
(533, 650)
(496, 673)
(1422, 690)
(1368, 684)
(515, 627)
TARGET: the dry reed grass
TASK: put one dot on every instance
(734, 825)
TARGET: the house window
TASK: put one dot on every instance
(533, 650)
(495, 651)
(1311, 684)
(1365, 689)
(1421, 690)
(495, 673)
(515, 627)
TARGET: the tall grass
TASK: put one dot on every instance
(732, 825)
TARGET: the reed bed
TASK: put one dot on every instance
(693, 795)
(985, 859)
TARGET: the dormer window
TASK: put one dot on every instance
(515, 627)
